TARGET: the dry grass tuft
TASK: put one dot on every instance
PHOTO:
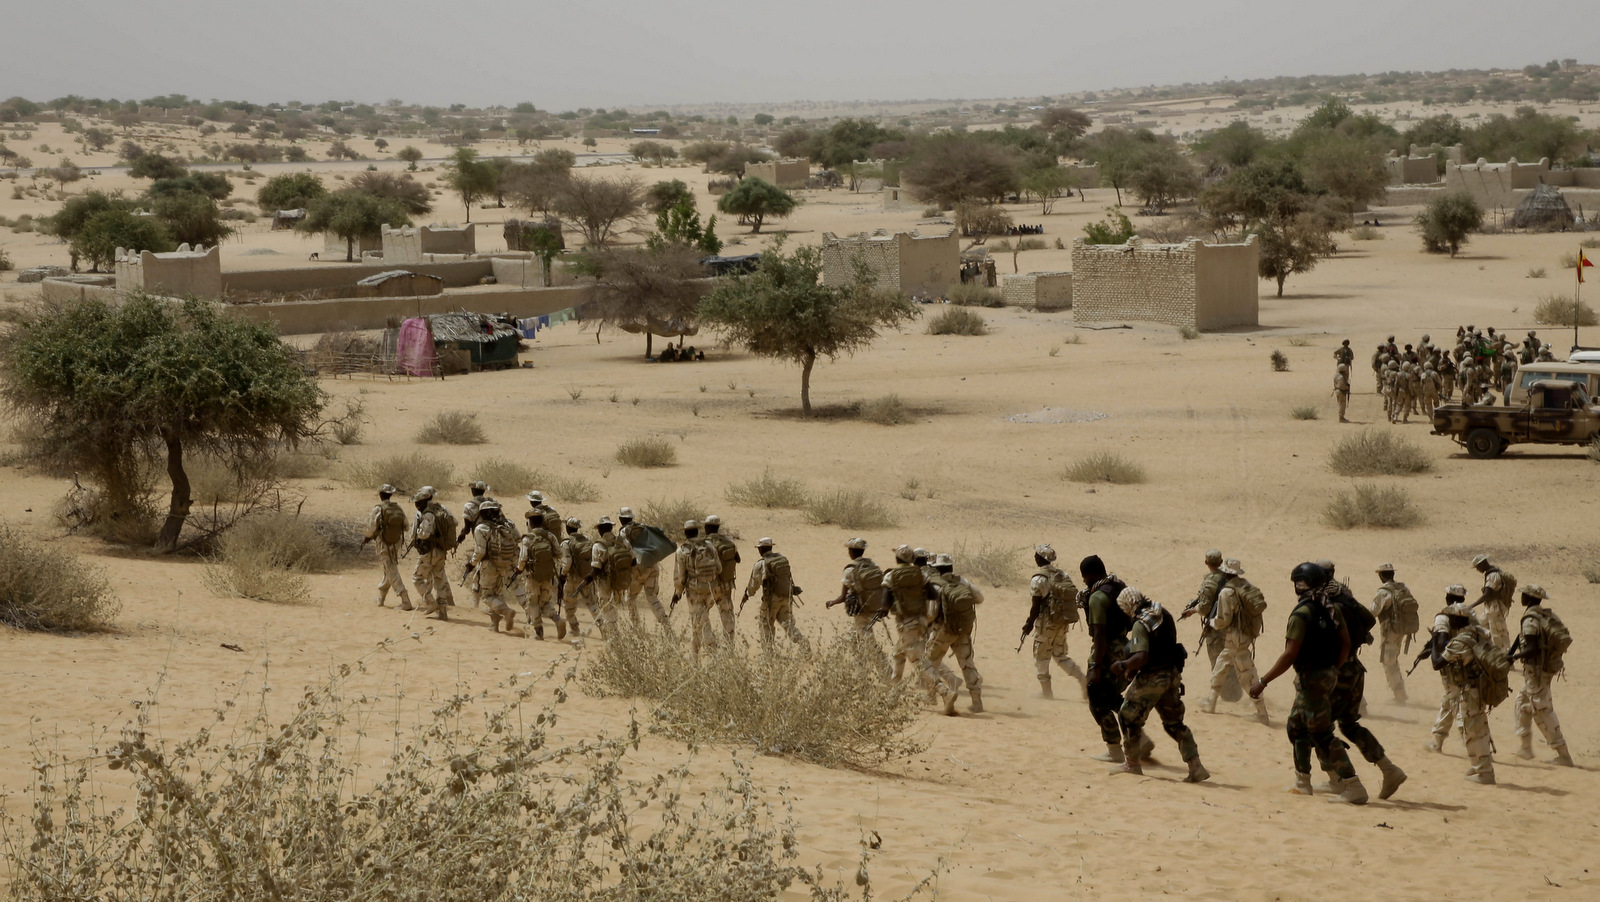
(1299, 341)
(1373, 452)
(266, 557)
(888, 410)
(1373, 507)
(768, 491)
(1536, 272)
(48, 588)
(971, 294)
(1105, 466)
(1365, 233)
(647, 452)
(989, 562)
(505, 476)
(481, 798)
(1556, 310)
(451, 427)
(1280, 362)
(407, 472)
(848, 509)
(669, 515)
(1305, 412)
(1188, 333)
(832, 708)
(957, 321)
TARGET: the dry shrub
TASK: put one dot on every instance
(1536, 272)
(768, 491)
(571, 489)
(1305, 412)
(1188, 333)
(299, 465)
(266, 557)
(669, 515)
(647, 452)
(832, 707)
(1556, 310)
(43, 587)
(848, 509)
(888, 410)
(343, 352)
(1372, 452)
(505, 476)
(1280, 362)
(1299, 341)
(1373, 507)
(477, 800)
(957, 321)
(407, 472)
(1594, 450)
(989, 562)
(972, 294)
(347, 428)
(1365, 233)
(451, 427)
(1105, 466)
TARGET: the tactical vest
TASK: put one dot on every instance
(445, 535)
(1554, 639)
(1508, 588)
(1209, 588)
(1117, 623)
(500, 543)
(1166, 652)
(1319, 650)
(1358, 619)
(619, 561)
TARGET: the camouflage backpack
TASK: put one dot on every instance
(1494, 670)
(582, 557)
(957, 601)
(780, 578)
(1063, 595)
(906, 585)
(727, 553)
(1251, 616)
(446, 531)
(869, 575)
(540, 556)
(705, 565)
(1407, 613)
(392, 525)
(1555, 641)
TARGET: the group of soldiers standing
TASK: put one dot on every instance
(1415, 379)
(1135, 661)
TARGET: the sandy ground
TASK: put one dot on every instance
(1008, 798)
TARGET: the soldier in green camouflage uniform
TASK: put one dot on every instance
(1315, 644)
(1153, 666)
(1108, 631)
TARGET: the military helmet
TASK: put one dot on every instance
(425, 493)
(1347, 341)
(763, 542)
(1455, 591)
(387, 489)
(1326, 565)
(1045, 553)
(479, 488)
(1129, 600)
(1457, 610)
(1232, 567)
(625, 513)
(690, 524)
(856, 544)
(920, 552)
(904, 554)
(574, 523)
(536, 496)
(1213, 556)
(1478, 560)
(488, 504)
(1384, 567)
(1426, 337)
(944, 560)
(1535, 590)
(1310, 575)
(712, 520)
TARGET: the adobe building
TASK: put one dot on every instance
(186, 271)
(785, 174)
(418, 244)
(1038, 290)
(1205, 286)
(916, 265)
(1501, 186)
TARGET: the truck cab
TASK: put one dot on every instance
(1555, 412)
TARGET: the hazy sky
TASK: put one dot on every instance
(639, 54)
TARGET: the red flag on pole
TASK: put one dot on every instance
(1582, 262)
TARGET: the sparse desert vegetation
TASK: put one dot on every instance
(1105, 466)
(1378, 452)
(1373, 507)
(647, 453)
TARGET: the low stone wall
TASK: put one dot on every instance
(1038, 290)
(66, 289)
(456, 274)
(309, 317)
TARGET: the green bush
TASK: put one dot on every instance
(768, 491)
(1188, 333)
(849, 509)
(1105, 466)
(647, 453)
(48, 588)
(957, 321)
(1373, 452)
(451, 427)
(1373, 507)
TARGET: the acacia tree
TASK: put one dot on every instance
(753, 200)
(782, 310)
(654, 290)
(950, 169)
(1447, 221)
(290, 191)
(352, 215)
(469, 177)
(596, 206)
(110, 385)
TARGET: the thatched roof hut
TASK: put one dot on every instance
(1544, 210)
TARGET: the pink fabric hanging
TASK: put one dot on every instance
(414, 353)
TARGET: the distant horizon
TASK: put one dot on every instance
(635, 54)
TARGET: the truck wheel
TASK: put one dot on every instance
(1484, 444)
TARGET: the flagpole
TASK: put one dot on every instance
(1577, 292)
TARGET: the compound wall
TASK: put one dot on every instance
(456, 274)
(1191, 284)
(1501, 186)
(783, 173)
(184, 272)
(916, 265)
(311, 317)
(409, 245)
(1038, 290)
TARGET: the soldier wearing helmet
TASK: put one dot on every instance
(386, 525)
(773, 578)
(1152, 663)
(695, 570)
(645, 579)
(1203, 603)
(861, 588)
(1054, 610)
(574, 579)
(1344, 353)
(1316, 643)
(469, 522)
(428, 577)
(905, 595)
(494, 556)
(1541, 643)
(1438, 638)
(537, 562)
(728, 556)
(552, 520)
(955, 616)
(1461, 664)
